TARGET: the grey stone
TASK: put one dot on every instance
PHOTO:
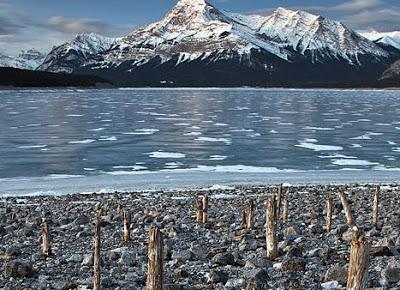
(224, 259)
(336, 273)
(293, 265)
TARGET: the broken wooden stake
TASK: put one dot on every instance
(96, 256)
(244, 220)
(46, 242)
(285, 210)
(272, 244)
(127, 226)
(250, 214)
(346, 207)
(329, 208)
(199, 211)
(359, 262)
(375, 209)
(155, 261)
(278, 200)
(205, 208)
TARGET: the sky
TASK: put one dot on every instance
(42, 24)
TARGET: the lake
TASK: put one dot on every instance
(60, 134)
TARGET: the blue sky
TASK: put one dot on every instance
(43, 23)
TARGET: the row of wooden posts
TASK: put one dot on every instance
(359, 253)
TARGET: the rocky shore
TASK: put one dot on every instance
(222, 254)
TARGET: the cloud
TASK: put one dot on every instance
(356, 5)
(8, 26)
(74, 26)
(386, 19)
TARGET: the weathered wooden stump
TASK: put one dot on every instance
(359, 262)
(155, 261)
(127, 226)
(272, 243)
(279, 202)
(244, 219)
(250, 214)
(199, 210)
(329, 208)
(205, 208)
(346, 207)
(46, 242)
(285, 210)
(96, 256)
(375, 208)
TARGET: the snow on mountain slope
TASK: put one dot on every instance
(388, 38)
(303, 32)
(30, 59)
(79, 49)
(194, 30)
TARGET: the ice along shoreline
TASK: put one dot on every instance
(181, 180)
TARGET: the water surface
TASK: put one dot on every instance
(61, 133)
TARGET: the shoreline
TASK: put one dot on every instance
(185, 180)
(222, 254)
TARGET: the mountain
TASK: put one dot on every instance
(196, 44)
(385, 38)
(30, 59)
(75, 52)
(392, 74)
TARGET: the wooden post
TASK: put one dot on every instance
(127, 226)
(329, 208)
(244, 221)
(346, 207)
(285, 210)
(250, 214)
(279, 202)
(272, 243)
(155, 261)
(120, 209)
(375, 209)
(46, 242)
(359, 262)
(96, 256)
(199, 210)
(205, 208)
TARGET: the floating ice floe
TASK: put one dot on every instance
(336, 156)
(105, 138)
(318, 147)
(366, 136)
(132, 167)
(142, 132)
(212, 139)
(86, 141)
(32, 146)
(318, 128)
(193, 134)
(166, 155)
(217, 157)
(353, 162)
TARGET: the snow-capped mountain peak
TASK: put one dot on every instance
(29, 59)
(77, 50)
(195, 31)
(386, 38)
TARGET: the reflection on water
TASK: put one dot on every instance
(90, 132)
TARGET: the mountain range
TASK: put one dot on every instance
(30, 59)
(196, 44)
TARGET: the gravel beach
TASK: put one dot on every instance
(221, 254)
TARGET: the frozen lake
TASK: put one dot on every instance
(61, 134)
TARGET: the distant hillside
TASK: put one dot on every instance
(26, 78)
